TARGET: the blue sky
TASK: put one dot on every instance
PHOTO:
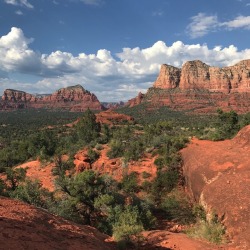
(114, 48)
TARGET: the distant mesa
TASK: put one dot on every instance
(200, 88)
(73, 98)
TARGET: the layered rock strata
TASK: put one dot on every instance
(200, 88)
(198, 75)
(74, 98)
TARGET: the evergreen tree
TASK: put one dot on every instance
(88, 129)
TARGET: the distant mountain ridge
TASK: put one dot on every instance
(73, 98)
(200, 87)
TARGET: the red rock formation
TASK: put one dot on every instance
(110, 117)
(74, 98)
(115, 167)
(25, 227)
(194, 75)
(135, 101)
(218, 175)
(168, 78)
(16, 96)
(198, 75)
(201, 88)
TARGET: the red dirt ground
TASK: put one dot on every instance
(36, 170)
(165, 240)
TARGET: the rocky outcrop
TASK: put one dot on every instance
(198, 75)
(74, 98)
(25, 227)
(199, 88)
(12, 95)
(195, 75)
(168, 78)
(218, 176)
(114, 167)
(135, 101)
(110, 117)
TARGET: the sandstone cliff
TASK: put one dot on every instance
(200, 88)
(74, 98)
(168, 78)
(16, 96)
(198, 75)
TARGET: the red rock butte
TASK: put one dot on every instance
(198, 75)
(73, 98)
(200, 87)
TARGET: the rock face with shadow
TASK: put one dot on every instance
(200, 88)
(198, 75)
(218, 176)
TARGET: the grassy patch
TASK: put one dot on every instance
(212, 231)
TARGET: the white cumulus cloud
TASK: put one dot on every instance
(110, 77)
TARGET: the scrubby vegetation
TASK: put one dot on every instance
(122, 208)
(211, 230)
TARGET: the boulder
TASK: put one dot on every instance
(217, 175)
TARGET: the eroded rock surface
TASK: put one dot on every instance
(199, 87)
(25, 227)
(198, 75)
(218, 175)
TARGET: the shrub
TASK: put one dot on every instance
(178, 208)
(145, 175)
(133, 151)
(15, 177)
(32, 193)
(212, 231)
(61, 166)
(2, 187)
(226, 126)
(93, 155)
(129, 183)
(98, 146)
(146, 186)
(128, 223)
(159, 162)
(88, 129)
(116, 149)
